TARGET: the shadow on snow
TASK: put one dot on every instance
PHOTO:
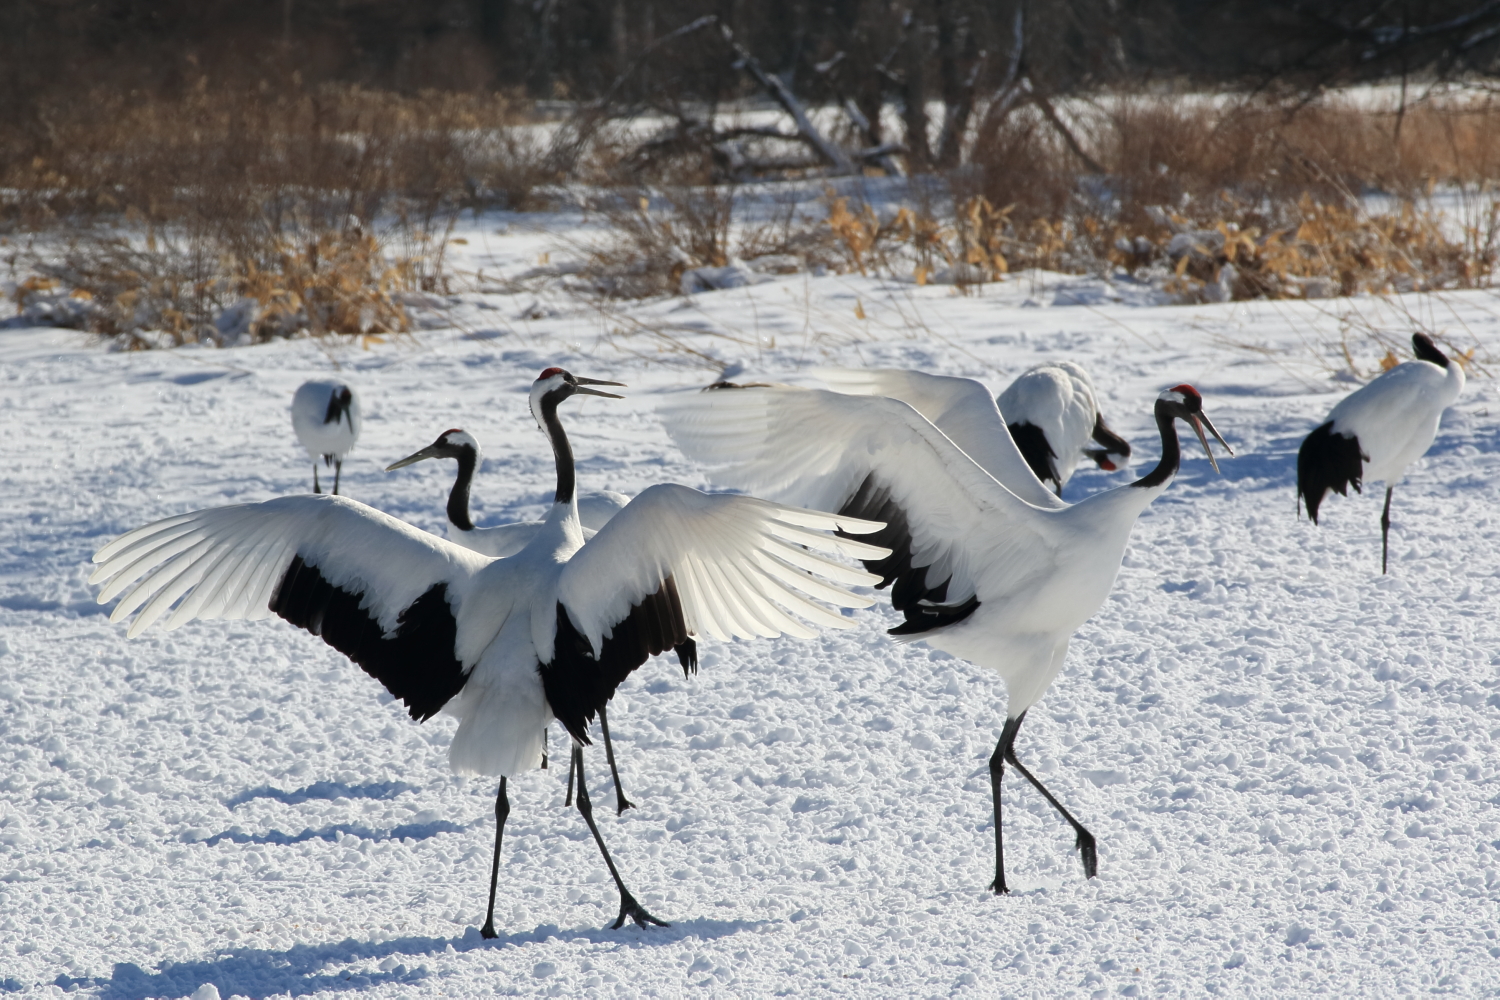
(305, 968)
(324, 790)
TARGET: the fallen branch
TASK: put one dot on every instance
(830, 152)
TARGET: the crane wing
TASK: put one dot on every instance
(957, 535)
(676, 563)
(378, 590)
(963, 410)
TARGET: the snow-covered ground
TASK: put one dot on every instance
(1289, 760)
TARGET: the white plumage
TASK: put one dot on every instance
(594, 509)
(977, 571)
(1053, 412)
(327, 418)
(1376, 432)
(963, 410)
(503, 644)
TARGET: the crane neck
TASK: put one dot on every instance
(561, 450)
(1171, 450)
(458, 499)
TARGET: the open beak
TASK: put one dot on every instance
(429, 452)
(583, 384)
(1200, 421)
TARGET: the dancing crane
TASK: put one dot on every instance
(327, 419)
(594, 511)
(975, 570)
(506, 645)
(1376, 432)
(1052, 411)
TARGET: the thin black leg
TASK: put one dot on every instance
(502, 810)
(1385, 530)
(316, 487)
(997, 771)
(628, 905)
(544, 748)
(1085, 840)
(572, 765)
(338, 468)
(621, 802)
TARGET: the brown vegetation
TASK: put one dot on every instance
(321, 206)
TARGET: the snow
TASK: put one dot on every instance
(1290, 761)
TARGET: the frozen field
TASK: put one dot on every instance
(1292, 764)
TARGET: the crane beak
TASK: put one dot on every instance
(1200, 421)
(583, 383)
(428, 452)
(1109, 461)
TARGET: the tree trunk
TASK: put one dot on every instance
(955, 48)
(914, 96)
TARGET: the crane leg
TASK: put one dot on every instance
(1385, 530)
(628, 905)
(572, 763)
(997, 771)
(338, 467)
(316, 487)
(1085, 841)
(502, 810)
(621, 802)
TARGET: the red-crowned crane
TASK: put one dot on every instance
(1053, 412)
(594, 511)
(1377, 431)
(327, 419)
(976, 570)
(506, 645)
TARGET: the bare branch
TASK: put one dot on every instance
(828, 151)
(1045, 106)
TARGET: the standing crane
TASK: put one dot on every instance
(327, 419)
(506, 645)
(1376, 432)
(500, 541)
(976, 570)
(1052, 412)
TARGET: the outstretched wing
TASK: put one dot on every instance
(958, 536)
(677, 563)
(963, 410)
(381, 592)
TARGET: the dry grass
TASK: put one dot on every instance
(263, 213)
(229, 154)
(649, 247)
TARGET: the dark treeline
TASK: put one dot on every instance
(821, 48)
(612, 57)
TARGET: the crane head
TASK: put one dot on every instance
(340, 402)
(554, 385)
(452, 443)
(1186, 403)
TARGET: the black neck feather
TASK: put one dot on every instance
(458, 500)
(561, 450)
(1171, 452)
(1425, 349)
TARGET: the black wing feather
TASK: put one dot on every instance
(921, 603)
(415, 662)
(1328, 461)
(1035, 449)
(577, 684)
